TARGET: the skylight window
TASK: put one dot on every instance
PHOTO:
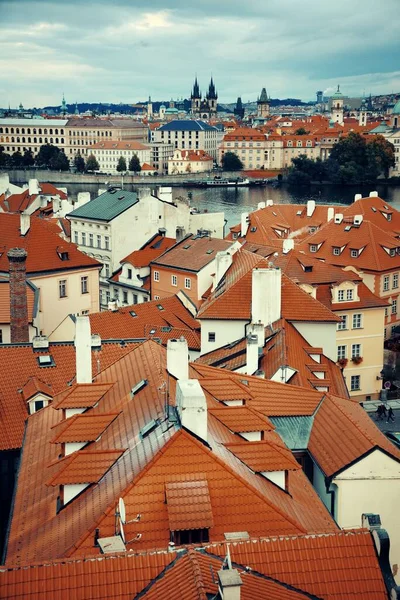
(210, 251)
(139, 386)
(149, 427)
(132, 313)
(45, 360)
(186, 246)
(160, 307)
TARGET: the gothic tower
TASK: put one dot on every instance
(263, 104)
(239, 110)
(195, 98)
(212, 98)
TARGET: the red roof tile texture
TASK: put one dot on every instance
(149, 251)
(193, 253)
(17, 203)
(189, 505)
(241, 419)
(264, 456)
(84, 467)
(34, 386)
(82, 428)
(82, 395)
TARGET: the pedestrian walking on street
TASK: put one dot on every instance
(390, 416)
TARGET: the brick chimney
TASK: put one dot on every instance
(18, 297)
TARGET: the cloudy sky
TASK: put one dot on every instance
(126, 50)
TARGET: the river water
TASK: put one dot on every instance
(234, 201)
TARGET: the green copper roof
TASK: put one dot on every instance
(295, 431)
(396, 108)
(338, 93)
(107, 206)
(381, 128)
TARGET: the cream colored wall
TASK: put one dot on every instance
(371, 338)
(54, 309)
(372, 485)
(6, 332)
(178, 166)
(250, 152)
(319, 335)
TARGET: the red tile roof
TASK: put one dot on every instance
(193, 253)
(264, 456)
(189, 505)
(241, 419)
(12, 405)
(17, 203)
(149, 321)
(244, 133)
(193, 156)
(83, 395)
(41, 243)
(367, 299)
(119, 145)
(377, 211)
(84, 467)
(151, 250)
(82, 428)
(34, 386)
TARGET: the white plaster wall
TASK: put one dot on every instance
(71, 447)
(319, 335)
(320, 487)
(277, 477)
(225, 333)
(372, 485)
(72, 490)
(6, 330)
(251, 436)
(214, 222)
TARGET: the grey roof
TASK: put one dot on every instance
(34, 122)
(97, 122)
(381, 128)
(295, 431)
(107, 206)
(186, 125)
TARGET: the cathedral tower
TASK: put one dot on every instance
(195, 98)
(263, 104)
(212, 98)
(337, 107)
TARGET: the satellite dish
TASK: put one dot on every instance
(122, 532)
(121, 510)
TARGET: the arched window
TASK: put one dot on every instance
(56, 131)
(12, 140)
(12, 130)
(51, 132)
(56, 140)
(40, 131)
(35, 140)
(62, 140)
(34, 131)
(51, 140)
(23, 140)
(40, 139)
(45, 131)
(23, 130)
(17, 140)
(17, 130)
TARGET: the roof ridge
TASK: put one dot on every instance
(197, 574)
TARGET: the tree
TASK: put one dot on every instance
(121, 166)
(27, 159)
(46, 153)
(4, 158)
(301, 131)
(79, 163)
(59, 162)
(383, 152)
(17, 160)
(231, 162)
(92, 164)
(134, 164)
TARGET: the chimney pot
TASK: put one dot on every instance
(266, 296)
(24, 223)
(19, 324)
(178, 358)
(192, 406)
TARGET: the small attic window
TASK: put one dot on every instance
(166, 329)
(149, 427)
(152, 331)
(253, 229)
(392, 251)
(63, 254)
(46, 360)
(373, 208)
(160, 307)
(186, 246)
(347, 228)
(132, 313)
(139, 386)
(210, 251)
(308, 268)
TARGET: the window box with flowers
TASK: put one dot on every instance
(342, 362)
(357, 360)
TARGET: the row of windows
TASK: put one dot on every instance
(89, 238)
(63, 289)
(355, 351)
(174, 280)
(86, 133)
(356, 322)
(386, 282)
(29, 131)
(345, 295)
(32, 141)
(393, 308)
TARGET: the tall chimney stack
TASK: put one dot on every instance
(18, 297)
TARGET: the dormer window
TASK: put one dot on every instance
(392, 251)
(349, 294)
(313, 248)
(336, 250)
(353, 253)
(341, 296)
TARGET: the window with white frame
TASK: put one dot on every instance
(353, 253)
(386, 283)
(341, 352)
(129, 273)
(313, 248)
(349, 295)
(83, 239)
(99, 241)
(395, 282)
(211, 336)
(174, 280)
(156, 276)
(188, 283)
(343, 324)
(357, 321)
(76, 237)
(340, 296)
(336, 251)
(62, 288)
(394, 307)
(107, 269)
(355, 350)
(91, 240)
(85, 284)
(355, 383)
(386, 312)
(106, 242)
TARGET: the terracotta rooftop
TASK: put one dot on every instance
(189, 505)
(84, 467)
(367, 299)
(264, 456)
(377, 211)
(193, 253)
(119, 145)
(244, 133)
(41, 243)
(151, 250)
(241, 419)
(34, 386)
(164, 319)
(82, 428)
(17, 203)
(83, 395)
(193, 156)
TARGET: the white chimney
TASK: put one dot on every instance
(83, 350)
(244, 224)
(269, 202)
(192, 406)
(4, 183)
(178, 358)
(330, 214)
(357, 219)
(34, 187)
(229, 583)
(310, 208)
(288, 245)
(82, 198)
(373, 194)
(165, 194)
(24, 223)
(357, 197)
(260, 205)
(113, 306)
(251, 354)
(266, 296)
(258, 329)
(338, 218)
(223, 261)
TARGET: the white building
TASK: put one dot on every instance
(189, 161)
(20, 135)
(159, 155)
(109, 152)
(188, 135)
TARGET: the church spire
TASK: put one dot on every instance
(196, 90)
(212, 92)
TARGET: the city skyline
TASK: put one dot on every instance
(123, 54)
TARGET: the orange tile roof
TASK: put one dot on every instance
(151, 250)
(34, 386)
(84, 467)
(12, 405)
(147, 167)
(41, 243)
(82, 428)
(337, 566)
(119, 145)
(83, 395)
(244, 133)
(193, 253)
(17, 203)
(241, 419)
(189, 505)
(226, 389)
(264, 456)
(194, 155)
(367, 299)
(148, 321)
(5, 302)
(342, 433)
(374, 210)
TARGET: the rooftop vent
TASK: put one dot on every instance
(209, 251)
(121, 197)
(347, 228)
(338, 218)
(132, 313)
(186, 246)
(40, 342)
